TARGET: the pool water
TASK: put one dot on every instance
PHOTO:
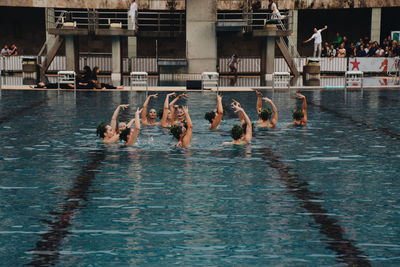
(326, 194)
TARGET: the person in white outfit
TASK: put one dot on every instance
(275, 12)
(133, 14)
(317, 40)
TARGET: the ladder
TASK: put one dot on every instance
(288, 49)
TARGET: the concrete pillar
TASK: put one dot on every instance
(295, 25)
(376, 15)
(72, 53)
(267, 59)
(49, 22)
(201, 39)
(116, 61)
(132, 42)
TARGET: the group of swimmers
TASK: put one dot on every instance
(178, 120)
(86, 80)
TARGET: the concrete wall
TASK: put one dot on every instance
(201, 36)
(221, 4)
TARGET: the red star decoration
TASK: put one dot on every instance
(355, 64)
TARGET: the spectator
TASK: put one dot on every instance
(380, 52)
(361, 51)
(338, 40)
(325, 50)
(366, 49)
(13, 51)
(342, 50)
(388, 53)
(232, 64)
(332, 51)
(5, 51)
(372, 50)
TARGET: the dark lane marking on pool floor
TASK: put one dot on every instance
(385, 131)
(47, 250)
(328, 226)
(17, 113)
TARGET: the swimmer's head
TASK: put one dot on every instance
(180, 113)
(121, 126)
(237, 132)
(41, 85)
(265, 114)
(152, 114)
(124, 134)
(104, 130)
(297, 114)
(210, 116)
(178, 130)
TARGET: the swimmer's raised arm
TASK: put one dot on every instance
(259, 101)
(241, 118)
(164, 119)
(304, 107)
(249, 129)
(274, 119)
(130, 123)
(189, 130)
(172, 106)
(219, 113)
(144, 108)
(114, 117)
(133, 136)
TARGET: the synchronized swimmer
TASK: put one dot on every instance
(178, 120)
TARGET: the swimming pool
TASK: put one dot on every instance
(323, 195)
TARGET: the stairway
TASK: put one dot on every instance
(288, 50)
(50, 55)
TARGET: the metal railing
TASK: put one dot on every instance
(173, 20)
(255, 19)
(89, 19)
(92, 19)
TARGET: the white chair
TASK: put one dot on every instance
(139, 79)
(209, 80)
(354, 78)
(282, 79)
(66, 77)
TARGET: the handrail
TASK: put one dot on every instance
(93, 19)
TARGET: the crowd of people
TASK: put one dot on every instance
(364, 47)
(177, 119)
(9, 51)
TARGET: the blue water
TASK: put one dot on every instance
(323, 195)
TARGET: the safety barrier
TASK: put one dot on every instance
(383, 66)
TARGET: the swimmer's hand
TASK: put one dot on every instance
(123, 106)
(154, 96)
(300, 96)
(235, 102)
(219, 97)
(171, 94)
(259, 94)
(182, 96)
(236, 106)
(266, 99)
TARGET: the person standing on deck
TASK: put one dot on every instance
(133, 14)
(317, 40)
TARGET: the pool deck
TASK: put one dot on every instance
(183, 88)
